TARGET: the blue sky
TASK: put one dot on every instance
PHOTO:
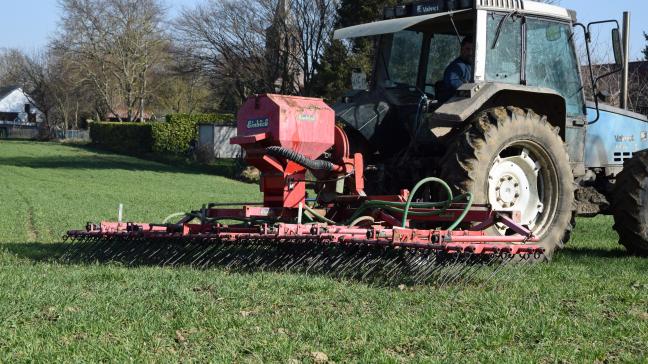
(39, 18)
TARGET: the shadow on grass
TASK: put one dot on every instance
(371, 265)
(584, 253)
(106, 160)
(365, 265)
(38, 252)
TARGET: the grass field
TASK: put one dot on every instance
(589, 304)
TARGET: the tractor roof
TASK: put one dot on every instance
(411, 17)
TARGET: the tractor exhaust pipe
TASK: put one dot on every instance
(626, 60)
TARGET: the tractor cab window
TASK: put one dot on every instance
(444, 48)
(503, 44)
(551, 62)
(550, 57)
(404, 57)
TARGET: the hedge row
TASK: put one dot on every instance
(128, 138)
(171, 137)
(179, 130)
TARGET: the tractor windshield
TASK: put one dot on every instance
(405, 57)
(444, 48)
(419, 55)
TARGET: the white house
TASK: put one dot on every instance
(16, 109)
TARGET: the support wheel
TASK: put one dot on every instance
(630, 204)
(514, 160)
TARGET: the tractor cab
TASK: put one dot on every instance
(520, 47)
(416, 58)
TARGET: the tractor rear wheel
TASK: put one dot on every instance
(630, 204)
(514, 160)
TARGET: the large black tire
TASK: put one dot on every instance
(476, 162)
(630, 204)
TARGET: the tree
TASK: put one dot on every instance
(645, 50)
(116, 44)
(255, 46)
(10, 66)
(342, 57)
(312, 23)
(181, 86)
(227, 39)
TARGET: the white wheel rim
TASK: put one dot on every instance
(513, 186)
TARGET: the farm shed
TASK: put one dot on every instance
(213, 140)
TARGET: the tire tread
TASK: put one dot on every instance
(630, 216)
(464, 156)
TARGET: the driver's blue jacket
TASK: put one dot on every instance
(456, 74)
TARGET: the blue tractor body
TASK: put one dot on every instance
(614, 138)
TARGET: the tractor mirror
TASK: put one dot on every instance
(616, 44)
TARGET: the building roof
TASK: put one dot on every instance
(638, 66)
(5, 91)
(122, 113)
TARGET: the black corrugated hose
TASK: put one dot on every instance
(314, 165)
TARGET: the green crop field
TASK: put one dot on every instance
(590, 304)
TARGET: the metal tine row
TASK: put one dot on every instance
(373, 264)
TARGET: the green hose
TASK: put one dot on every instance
(362, 219)
(318, 216)
(420, 184)
(397, 207)
(469, 202)
(404, 208)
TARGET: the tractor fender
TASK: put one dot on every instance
(471, 98)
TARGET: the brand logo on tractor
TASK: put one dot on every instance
(427, 8)
(624, 138)
(258, 123)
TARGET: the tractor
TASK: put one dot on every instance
(498, 168)
(520, 135)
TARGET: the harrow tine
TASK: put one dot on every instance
(448, 269)
(480, 264)
(518, 269)
(455, 269)
(83, 249)
(501, 263)
(366, 261)
(207, 248)
(425, 265)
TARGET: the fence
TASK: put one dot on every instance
(72, 134)
(18, 133)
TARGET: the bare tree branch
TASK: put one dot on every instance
(116, 43)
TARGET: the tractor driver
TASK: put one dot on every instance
(459, 71)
